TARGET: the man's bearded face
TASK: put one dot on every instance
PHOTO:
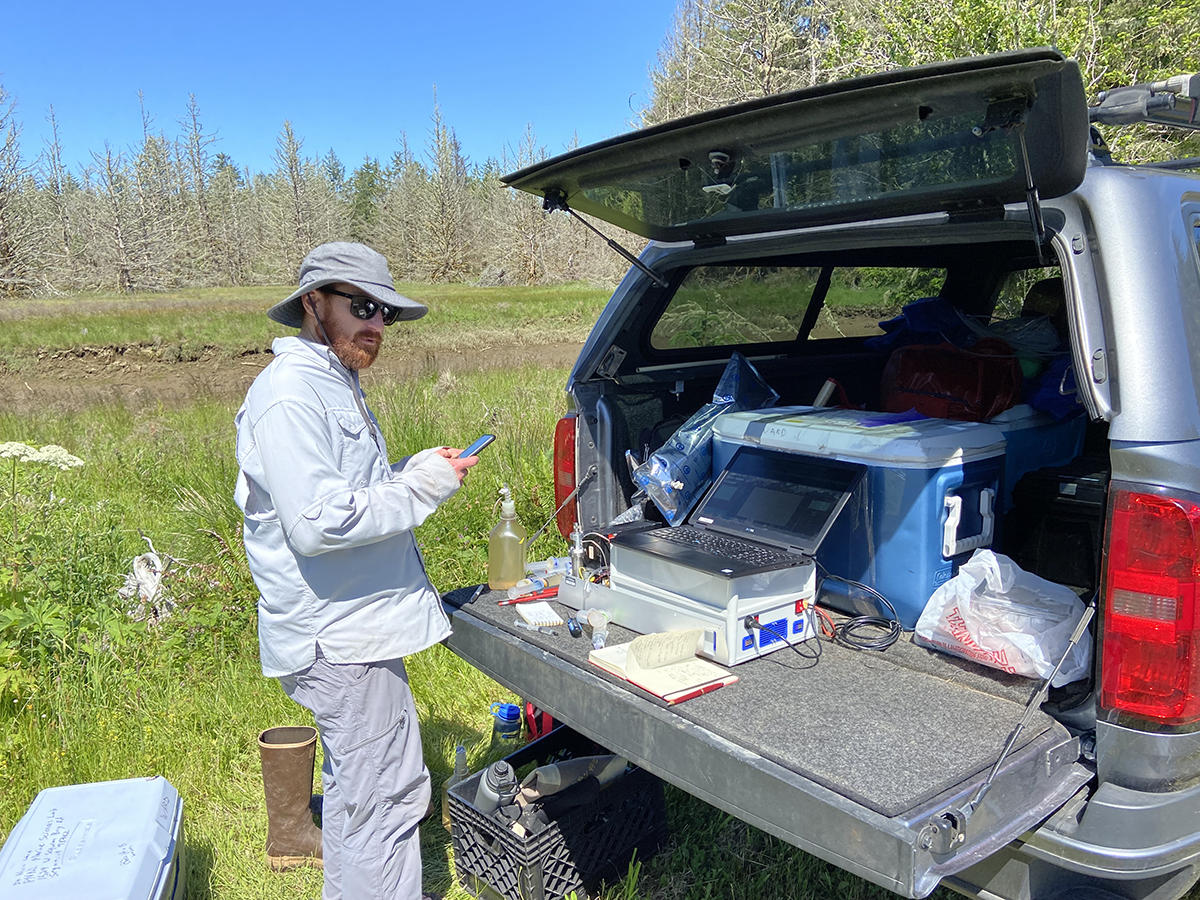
(354, 341)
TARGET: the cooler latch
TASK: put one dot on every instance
(952, 544)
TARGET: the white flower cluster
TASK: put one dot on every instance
(51, 455)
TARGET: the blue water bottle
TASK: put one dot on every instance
(506, 726)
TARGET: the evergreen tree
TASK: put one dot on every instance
(366, 190)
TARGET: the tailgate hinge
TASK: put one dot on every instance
(946, 832)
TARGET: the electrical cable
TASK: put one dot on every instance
(750, 623)
(601, 543)
(861, 632)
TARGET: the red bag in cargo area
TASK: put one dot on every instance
(946, 382)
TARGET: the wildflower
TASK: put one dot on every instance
(51, 455)
(17, 451)
(54, 455)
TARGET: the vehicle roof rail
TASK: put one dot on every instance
(1174, 102)
(1191, 162)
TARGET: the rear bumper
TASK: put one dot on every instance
(1117, 843)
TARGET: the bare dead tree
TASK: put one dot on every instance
(396, 230)
(114, 183)
(290, 173)
(196, 143)
(17, 264)
(726, 51)
(153, 230)
(56, 183)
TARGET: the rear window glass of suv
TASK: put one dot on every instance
(723, 306)
(944, 153)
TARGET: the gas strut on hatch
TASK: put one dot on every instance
(556, 199)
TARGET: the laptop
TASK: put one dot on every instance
(766, 514)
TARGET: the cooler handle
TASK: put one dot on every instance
(952, 544)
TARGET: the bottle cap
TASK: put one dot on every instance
(508, 508)
(506, 712)
(501, 778)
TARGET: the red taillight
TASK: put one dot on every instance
(1151, 654)
(564, 474)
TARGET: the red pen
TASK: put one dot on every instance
(699, 692)
(543, 594)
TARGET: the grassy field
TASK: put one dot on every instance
(231, 321)
(87, 694)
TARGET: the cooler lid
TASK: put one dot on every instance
(1020, 417)
(905, 440)
(110, 840)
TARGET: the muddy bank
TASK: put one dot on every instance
(138, 377)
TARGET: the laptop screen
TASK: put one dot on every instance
(781, 498)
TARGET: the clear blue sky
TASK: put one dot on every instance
(350, 77)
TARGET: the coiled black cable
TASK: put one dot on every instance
(867, 632)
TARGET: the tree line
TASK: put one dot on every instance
(724, 51)
(173, 211)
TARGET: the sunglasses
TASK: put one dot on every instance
(365, 307)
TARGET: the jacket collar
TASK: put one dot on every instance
(317, 353)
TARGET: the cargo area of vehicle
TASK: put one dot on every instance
(890, 731)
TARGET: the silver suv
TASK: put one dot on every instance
(970, 197)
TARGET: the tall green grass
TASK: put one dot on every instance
(186, 700)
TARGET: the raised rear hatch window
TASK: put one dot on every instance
(945, 137)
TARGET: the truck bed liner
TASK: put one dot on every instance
(889, 731)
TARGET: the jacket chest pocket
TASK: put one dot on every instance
(357, 454)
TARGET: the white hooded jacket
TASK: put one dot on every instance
(328, 522)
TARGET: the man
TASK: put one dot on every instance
(344, 594)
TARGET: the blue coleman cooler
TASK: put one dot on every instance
(928, 501)
(111, 840)
(1035, 441)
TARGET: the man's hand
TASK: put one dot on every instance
(461, 464)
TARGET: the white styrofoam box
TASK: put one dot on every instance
(109, 840)
(928, 501)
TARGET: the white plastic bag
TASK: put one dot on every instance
(996, 613)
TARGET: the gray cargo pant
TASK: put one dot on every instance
(376, 783)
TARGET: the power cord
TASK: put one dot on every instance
(600, 542)
(751, 624)
(867, 632)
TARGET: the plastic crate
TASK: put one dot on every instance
(584, 845)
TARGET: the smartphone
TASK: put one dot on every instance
(476, 447)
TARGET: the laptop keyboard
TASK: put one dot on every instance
(726, 547)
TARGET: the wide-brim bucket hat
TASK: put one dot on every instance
(355, 264)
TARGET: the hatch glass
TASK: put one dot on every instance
(941, 137)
